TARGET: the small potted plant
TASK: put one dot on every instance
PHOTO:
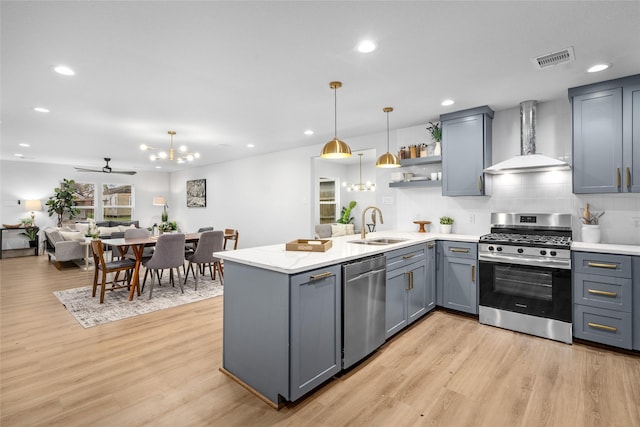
(590, 225)
(436, 135)
(31, 232)
(446, 222)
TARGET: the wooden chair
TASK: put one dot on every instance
(230, 234)
(109, 267)
(209, 242)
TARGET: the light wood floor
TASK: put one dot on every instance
(161, 369)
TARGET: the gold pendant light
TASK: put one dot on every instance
(335, 149)
(388, 160)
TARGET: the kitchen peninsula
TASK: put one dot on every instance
(282, 312)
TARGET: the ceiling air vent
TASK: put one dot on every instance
(555, 58)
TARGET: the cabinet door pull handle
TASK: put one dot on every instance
(408, 288)
(321, 276)
(603, 327)
(431, 245)
(408, 256)
(628, 178)
(605, 293)
(602, 265)
(480, 184)
(461, 250)
(618, 177)
(473, 273)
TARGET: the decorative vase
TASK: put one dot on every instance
(445, 228)
(437, 150)
(591, 233)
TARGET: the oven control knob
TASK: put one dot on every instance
(499, 249)
(553, 253)
(543, 252)
(520, 250)
(490, 248)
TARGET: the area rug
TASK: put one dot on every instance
(88, 311)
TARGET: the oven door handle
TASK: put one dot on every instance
(505, 259)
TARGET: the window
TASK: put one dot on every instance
(85, 200)
(117, 202)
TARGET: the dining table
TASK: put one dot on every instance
(137, 245)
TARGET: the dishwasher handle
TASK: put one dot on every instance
(365, 274)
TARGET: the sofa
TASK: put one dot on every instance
(324, 231)
(63, 244)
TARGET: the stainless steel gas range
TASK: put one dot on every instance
(525, 274)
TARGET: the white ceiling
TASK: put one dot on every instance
(225, 74)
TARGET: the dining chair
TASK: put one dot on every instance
(209, 242)
(109, 267)
(230, 234)
(191, 247)
(169, 254)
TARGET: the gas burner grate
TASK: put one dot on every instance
(526, 239)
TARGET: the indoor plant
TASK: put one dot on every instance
(345, 213)
(63, 201)
(31, 231)
(590, 225)
(446, 222)
(167, 226)
(436, 135)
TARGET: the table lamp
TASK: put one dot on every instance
(33, 206)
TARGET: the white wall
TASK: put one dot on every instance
(22, 180)
(269, 198)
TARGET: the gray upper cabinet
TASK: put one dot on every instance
(606, 138)
(466, 151)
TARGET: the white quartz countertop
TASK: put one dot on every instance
(276, 258)
(606, 248)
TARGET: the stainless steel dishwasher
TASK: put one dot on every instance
(363, 308)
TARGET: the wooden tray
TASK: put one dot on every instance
(305, 245)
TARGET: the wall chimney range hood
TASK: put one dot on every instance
(528, 160)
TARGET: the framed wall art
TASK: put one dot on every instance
(197, 193)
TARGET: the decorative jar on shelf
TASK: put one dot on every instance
(437, 150)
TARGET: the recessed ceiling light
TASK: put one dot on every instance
(447, 102)
(24, 144)
(64, 70)
(250, 145)
(41, 110)
(158, 167)
(308, 132)
(598, 67)
(18, 155)
(366, 46)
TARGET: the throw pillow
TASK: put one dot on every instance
(71, 235)
(350, 229)
(338, 230)
(124, 228)
(82, 227)
(54, 236)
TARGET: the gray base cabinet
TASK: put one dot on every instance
(457, 276)
(602, 296)
(408, 294)
(636, 302)
(282, 333)
(466, 151)
(606, 136)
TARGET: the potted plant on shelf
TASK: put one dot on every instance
(590, 225)
(63, 201)
(436, 135)
(167, 226)
(446, 222)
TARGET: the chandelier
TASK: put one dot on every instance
(360, 186)
(181, 155)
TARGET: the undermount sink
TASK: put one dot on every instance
(378, 241)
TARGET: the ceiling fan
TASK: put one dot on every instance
(105, 169)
